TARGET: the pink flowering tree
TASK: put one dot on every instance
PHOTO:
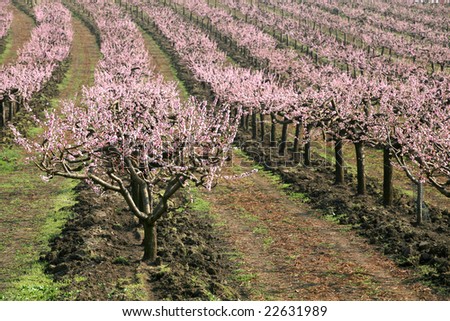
(146, 145)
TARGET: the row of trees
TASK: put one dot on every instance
(5, 18)
(386, 22)
(393, 86)
(435, 17)
(367, 35)
(360, 109)
(131, 133)
(48, 46)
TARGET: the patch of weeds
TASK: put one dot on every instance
(79, 279)
(260, 230)
(240, 153)
(218, 224)
(243, 277)
(288, 221)
(180, 209)
(34, 131)
(247, 215)
(117, 226)
(7, 45)
(346, 228)
(274, 178)
(56, 219)
(427, 270)
(164, 268)
(9, 160)
(331, 216)
(36, 286)
(297, 196)
(198, 282)
(291, 257)
(125, 289)
(133, 291)
(234, 256)
(199, 205)
(267, 242)
(326, 245)
(121, 261)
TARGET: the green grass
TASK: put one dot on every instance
(121, 261)
(7, 51)
(32, 283)
(35, 286)
(260, 230)
(199, 204)
(247, 215)
(127, 289)
(243, 276)
(8, 159)
(267, 242)
(61, 211)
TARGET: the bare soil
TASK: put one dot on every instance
(100, 252)
(393, 231)
(294, 254)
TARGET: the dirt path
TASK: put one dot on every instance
(287, 252)
(27, 204)
(20, 33)
(162, 64)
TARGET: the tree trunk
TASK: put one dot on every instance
(419, 203)
(273, 132)
(263, 132)
(359, 149)
(307, 154)
(387, 177)
(150, 242)
(254, 126)
(243, 122)
(282, 149)
(339, 177)
(296, 147)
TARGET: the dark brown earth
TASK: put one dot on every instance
(101, 246)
